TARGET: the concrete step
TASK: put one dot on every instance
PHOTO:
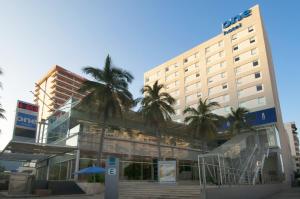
(154, 190)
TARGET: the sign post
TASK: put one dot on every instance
(25, 122)
(112, 178)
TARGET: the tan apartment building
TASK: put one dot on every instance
(55, 88)
(235, 69)
(291, 130)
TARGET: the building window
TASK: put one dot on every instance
(221, 54)
(255, 63)
(250, 29)
(222, 64)
(261, 100)
(236, 59)
(224, 86)
(185, 60)
(259, 88)
(234, 37)
(252, 40)
(207, 49)
(147, 79)
(186, 70)
(158, 74)
(257, 75)
(253, 51)
(235, 48)
(197, 75)
(220, 43)
(167, 69)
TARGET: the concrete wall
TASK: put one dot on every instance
(245, 191)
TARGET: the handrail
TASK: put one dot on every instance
(247, 163)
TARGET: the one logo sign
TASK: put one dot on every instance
(26, 120)
(112, 171)
(237, 18)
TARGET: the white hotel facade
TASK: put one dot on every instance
(235, 69)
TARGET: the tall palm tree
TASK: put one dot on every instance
(156, 109)
(202, 121)
(108, 94)
(237, 119)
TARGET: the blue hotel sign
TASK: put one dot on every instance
(266, 116)
(26, 121)
(234, 20)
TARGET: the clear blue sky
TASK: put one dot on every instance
(138, 34)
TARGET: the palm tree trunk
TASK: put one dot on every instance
(158, 144)
(100, 149)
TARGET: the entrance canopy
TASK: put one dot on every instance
(26, 151)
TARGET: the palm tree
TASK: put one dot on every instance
(202, 121)
(237, 119)
(108, 94)
(156, 109)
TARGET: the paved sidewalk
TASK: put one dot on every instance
(293, 193)
(99, 196)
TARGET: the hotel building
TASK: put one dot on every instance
(55, 88)
(235, 69)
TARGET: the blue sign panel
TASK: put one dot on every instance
(266, 116)
(28, 121)
(262, 117)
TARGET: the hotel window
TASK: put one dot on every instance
(220, 43)
(177, 102)
(222, 75)
(257, 75)
(185, 60)
(261, 100)
(234, 37)
(186, 70)
(235, 47)
(224, 86)
(252, 40)
(236, 59)
(253, 51)
(207, 49)
(197, 75)
(255, 63)
(221, 54)
(167, 69)
(158, 74)
(259, 87)
(250, 29)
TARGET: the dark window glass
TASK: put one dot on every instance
(224, 86)
(257, 75)
(236, 59)
(255, 63)
(258, 87)
(235, 47)
(252, 41)
(197, 75)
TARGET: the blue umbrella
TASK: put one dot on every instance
(91, 170)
